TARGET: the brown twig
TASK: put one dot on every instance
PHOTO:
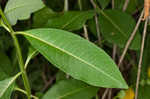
(109, 94)
(113, 4)
(98, 30)
(130, 40)
(49, 83)
(97, 23)
(125, 5)
(105, 93)
(85, 32)
(141, 58)
(84, 26)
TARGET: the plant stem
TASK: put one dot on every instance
(19, 55)
(97, 23)
(125, 5)
(23, 91)
(141, 58)
(66, 6)
(84, 26)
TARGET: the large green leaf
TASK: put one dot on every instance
(76, 56)
(116, 27)
(6, 86)
(21, 9)
(70, 21)
(71, 89)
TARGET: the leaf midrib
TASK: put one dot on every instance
(76, 57)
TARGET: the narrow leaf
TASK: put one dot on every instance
(76, 56)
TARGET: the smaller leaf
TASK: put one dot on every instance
(70, 21)
(71, 89)
(5, 84)
(103, 3)
(5, 64)
(116, 29)
(44, 15)
(21, 9)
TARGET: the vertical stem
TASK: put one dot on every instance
(97, 23)
(19, 55)
(66, 5)
(125, 5)
(80, 4)
(141, 58)
(113, 4)
(84, 26)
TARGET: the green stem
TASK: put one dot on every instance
(23, 91)
(19, 55)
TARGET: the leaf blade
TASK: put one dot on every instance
(72, 58)
(21, 10)
(71, 89)
(5, 84)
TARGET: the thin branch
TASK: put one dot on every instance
(98, 30)
(84, 26)
(141, 58)
(105, 93)
(114, 52)
(125, 5)
(97, 23)
(66, 5)
(85, 32)
(113, 4)
(48, 83)
(109, 94)
(130, 39)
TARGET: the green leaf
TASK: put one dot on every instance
(133, 5)
(6, 85)
(44, 15)
(21, 9)
(71, 89)
(7, 94)
(103, 3)
(73, 20)
(144, 92)
(6, 68)
(76, 56)
(116, 27)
